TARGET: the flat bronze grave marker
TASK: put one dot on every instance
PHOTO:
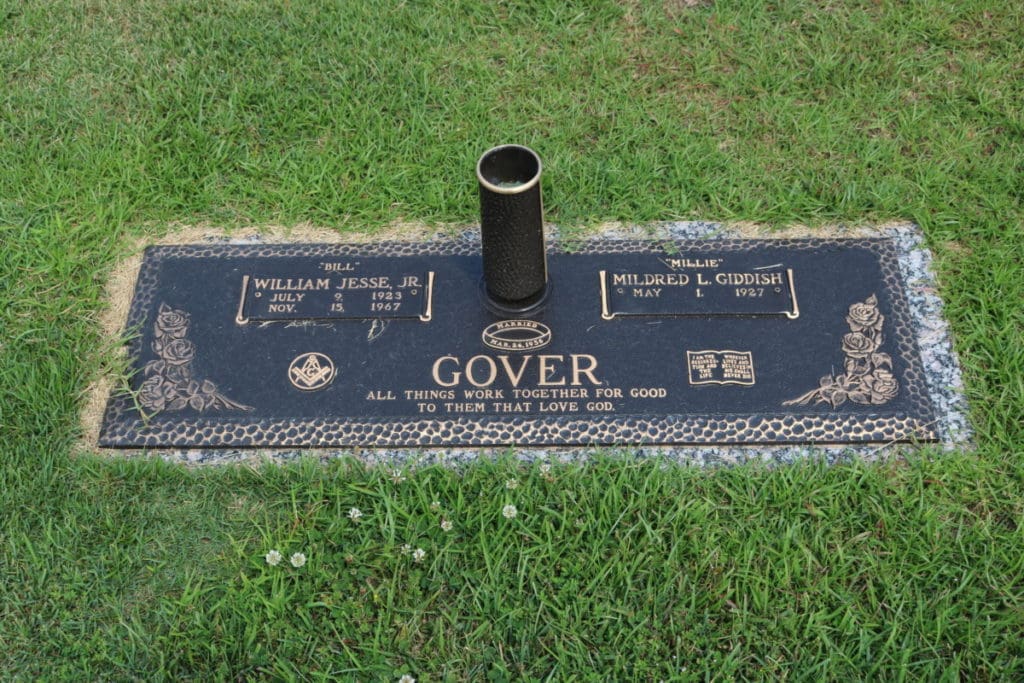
(633, 342)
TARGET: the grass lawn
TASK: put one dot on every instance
(120, 118)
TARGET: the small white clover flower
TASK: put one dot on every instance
(509, 511)
(273, 558)
(545, 468)
(354, 514)
(298, 560)
(418, 555)
(446, 525)
(397, 476)
(511, 484)
(435, 506)
(406, 678)
(405, 549)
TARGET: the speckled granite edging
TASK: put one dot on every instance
(942, 371)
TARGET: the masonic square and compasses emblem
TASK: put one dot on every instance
(311, 371)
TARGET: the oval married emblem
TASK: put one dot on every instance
(517, 335)
(311, 371)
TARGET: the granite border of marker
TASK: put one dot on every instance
(941, 367)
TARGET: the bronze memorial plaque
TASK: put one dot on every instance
(632, 342)
(516, 340)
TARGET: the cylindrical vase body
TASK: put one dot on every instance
(512, 226)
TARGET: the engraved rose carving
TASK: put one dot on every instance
(171, 383)
(151, 393)
(857, 345)
(881, 387)
(869, 379)
(171, 323)
(865, 315)
(178, 351)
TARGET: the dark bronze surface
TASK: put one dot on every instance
(828, 358)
